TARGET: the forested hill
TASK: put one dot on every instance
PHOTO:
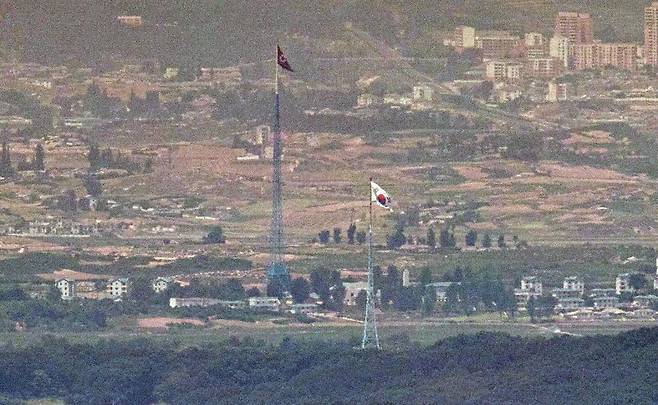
(227, 32)
(483, 368)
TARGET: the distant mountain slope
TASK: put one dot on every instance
(230, 32)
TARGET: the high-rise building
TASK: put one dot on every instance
(651, 34)
(576, 27)
(559, 48)
(464, 38)
(533, 39)
(496, 44)
(598, 55)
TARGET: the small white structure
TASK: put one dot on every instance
(352, 291)
(405, 278)
(531, 287)
(569, 304)
(305, 309)
(117, 287)
(271, 304)
(66, 288)
(204, 302)
(160, 284)
(623, 284)
(606, 302)
(574, 283)
(441, 288)
(645, 301)
(423, 92)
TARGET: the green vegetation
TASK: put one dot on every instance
(604, 369)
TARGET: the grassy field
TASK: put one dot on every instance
(391, 333)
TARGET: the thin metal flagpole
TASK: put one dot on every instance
(276, 70)
(370, 321)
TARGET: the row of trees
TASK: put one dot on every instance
(325, 236)
(6, 168)
(107, 158)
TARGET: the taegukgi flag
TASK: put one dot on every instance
(380, 196)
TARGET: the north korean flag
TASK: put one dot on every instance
(282, 60)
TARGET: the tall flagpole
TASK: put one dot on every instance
(370, 336)
(277, 272)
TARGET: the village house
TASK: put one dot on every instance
(569, 303)
(160, 284)
(606, 302)
(67, 288)
(305, 309)
(204, 302)
(271, 304)
(623, 284)
(531, 287)
(352, 291)
(645, 301)
(117, 287)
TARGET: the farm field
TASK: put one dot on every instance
(391, 332)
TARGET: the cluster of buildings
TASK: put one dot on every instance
(510, 58)
(114, 288)
(572, 300)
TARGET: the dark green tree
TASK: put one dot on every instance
(351, 231)
(300, 289)
(397, 240)
(323, 236)
(39, 158)
(431, 238)
(471, 238)
(216, 235)
(337, 235)
(425, 276)
(140, 289)
(447, 239)
(531, 307)
(501, 241)
(428, 301)
(486, 241)
(361, 237)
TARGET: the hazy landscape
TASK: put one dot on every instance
(517, 141)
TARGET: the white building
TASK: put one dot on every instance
(352, 291)
(305, 309)
(645, 301)
(503, 70)
(271, 304)
(559, 48)
(606, 302)
(405, 278)
(204, 302)
(531, 287)
(422, 92)
(117, 287)
(623, 284)
(568, 304)
(559, 92)
(574, 283)
(367, 100)
(533, 39)
(441, 288)
(160, 284)
(66, 288)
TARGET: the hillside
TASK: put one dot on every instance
(483, 368)
(228, 33)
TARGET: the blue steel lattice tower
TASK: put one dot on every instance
(277, 272)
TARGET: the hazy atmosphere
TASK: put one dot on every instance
(214, 201)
